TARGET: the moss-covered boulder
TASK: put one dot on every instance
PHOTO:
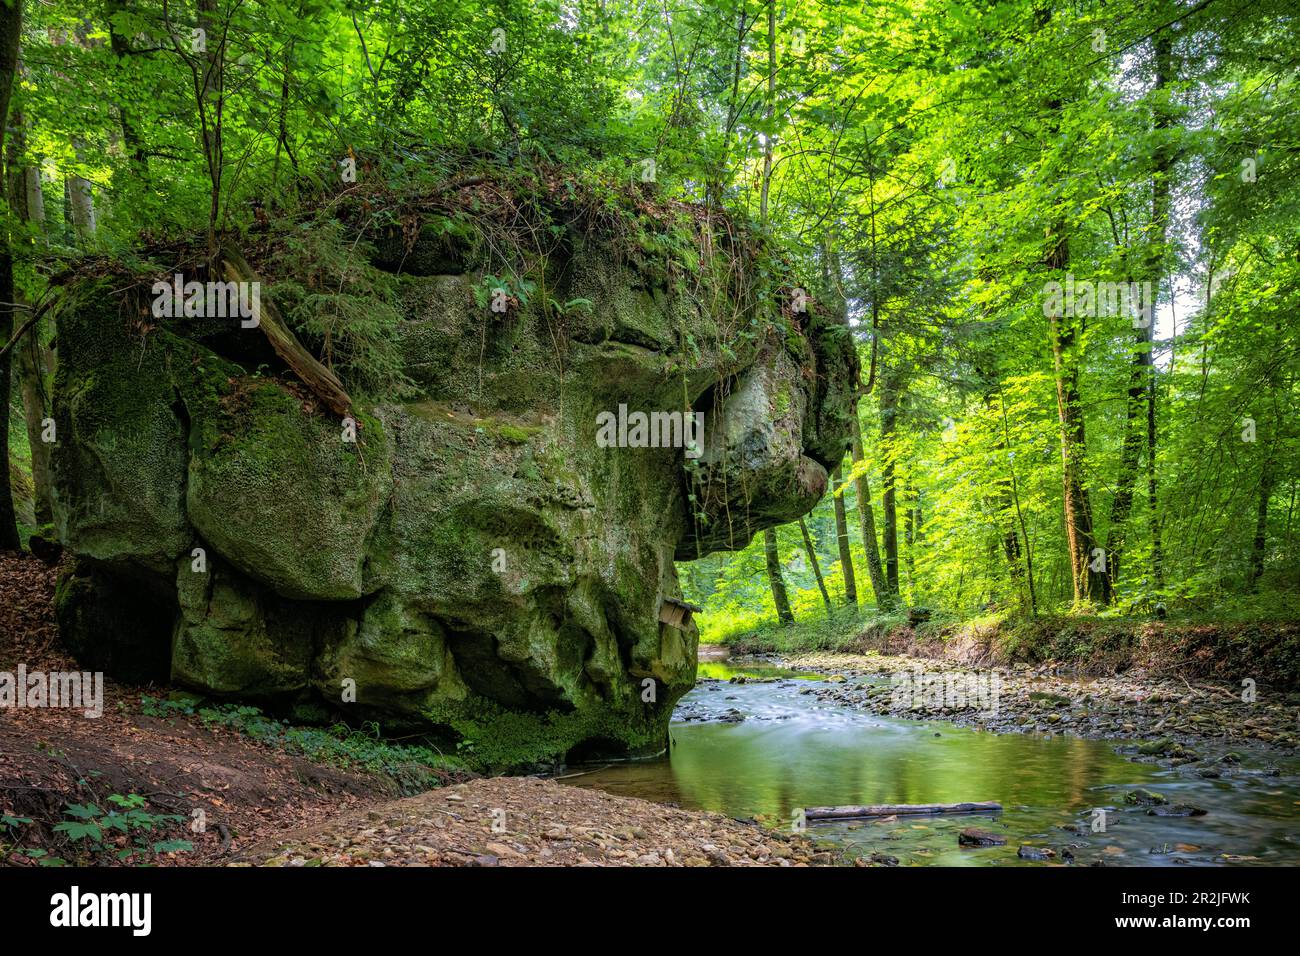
(254, 453)
(119, 460)
(473, 554)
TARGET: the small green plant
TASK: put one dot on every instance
(170, 706)
(96, 830)
(492, 287)
(412, 768)
(572, 307)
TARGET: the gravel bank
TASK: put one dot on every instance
(1164, 712)
(544, 823)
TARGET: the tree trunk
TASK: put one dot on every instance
(209, 91)
(1267, 482)
(11, 19)
(1010, 542)
(911, 535)
(771, 109)
(1087, 561)
(120, 44)
(867, 520)
(1259, 544)
(81, 198)
(314, 375)
(779, 597)
(816, 565)
(1091, 581)
(32, 359)
(888, 497)
(1153, 491)
(1160, 205)
(1142, 379)
(833, 278)
(842, 539)
(1121, 505)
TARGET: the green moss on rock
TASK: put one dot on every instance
(474, 567)
(280, 493)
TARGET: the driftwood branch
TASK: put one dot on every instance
(316, 376)
(898, 809)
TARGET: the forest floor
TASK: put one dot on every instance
(55, 758)
(527, 821)
(1225, 651)
(260, 804)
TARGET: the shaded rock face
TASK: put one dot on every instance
(474, 565)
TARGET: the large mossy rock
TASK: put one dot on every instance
(474, 565)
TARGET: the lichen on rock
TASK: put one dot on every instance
(474, 565)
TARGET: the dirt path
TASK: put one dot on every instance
(526, 821)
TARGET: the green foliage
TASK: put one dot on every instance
(333, 298)
(932, 167)
(1003, 127)
(412, 768)
(92, 830)
(491, 287)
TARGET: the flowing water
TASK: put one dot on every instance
(764, 750)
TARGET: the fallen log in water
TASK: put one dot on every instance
(900, 809)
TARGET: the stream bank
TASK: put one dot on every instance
(1169, 713)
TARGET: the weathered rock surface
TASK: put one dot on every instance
(474, 565)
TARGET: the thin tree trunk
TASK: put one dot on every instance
(120, 44)
(888, 497)
(282, 134)
(1153, 491)
(724, 160)
(1015, 497)
(867, 521)
(779, 597)
(209, 81)
(81, 197)
(35, 195)
(771, 109)
(842, 539)
(11, 19)
(911, 528)
(1267, 483)
(1142, 379)
(33, 360)
(1121, 505)
(1160, 206)
(1259, 544)
(833, 277)
(816, 565)
(1087, 561)
(306, 366)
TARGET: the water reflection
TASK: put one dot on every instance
(784, 750)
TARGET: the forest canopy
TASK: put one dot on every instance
(1065, 236)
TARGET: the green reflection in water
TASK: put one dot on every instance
(791, 752)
